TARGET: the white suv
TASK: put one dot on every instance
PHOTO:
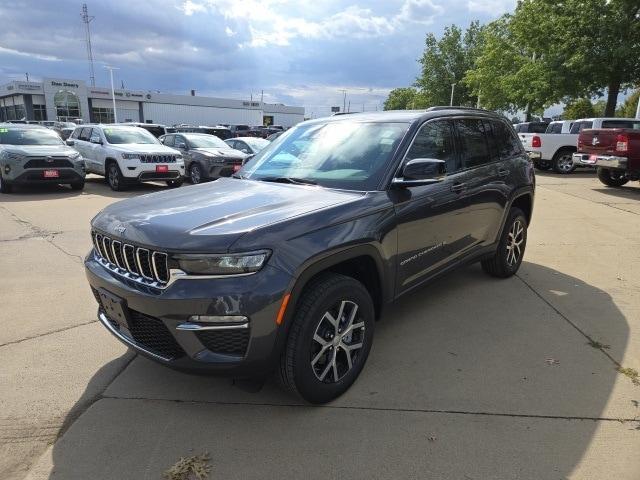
(126, 154)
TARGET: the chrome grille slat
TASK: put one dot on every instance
(149, 267)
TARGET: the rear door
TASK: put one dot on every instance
(431, 221)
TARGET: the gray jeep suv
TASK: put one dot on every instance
(286, 266)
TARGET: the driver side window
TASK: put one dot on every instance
(95, 136)
(435, 140)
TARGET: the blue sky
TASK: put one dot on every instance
(301, 52)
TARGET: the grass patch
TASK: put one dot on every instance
(598, 345)
(632, 373)
(195, 467)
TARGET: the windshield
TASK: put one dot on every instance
(29, 136)
(205, 141)
(256, 143)
(120, 136)
(348, 155)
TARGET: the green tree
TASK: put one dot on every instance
(628, 108)
(405, 98)
(445, 61)
(580, 108)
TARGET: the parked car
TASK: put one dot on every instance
(531, 127)
(126, 155)
(206, 157)
(64, 132)
(248, 145)
(614, 151)
(273, 136)
(32, 154)
(219, 131)
(286, 266)
(154, 129)
(553, 150)
(239, 130)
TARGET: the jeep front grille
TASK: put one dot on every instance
(142, 264)
(157, 158)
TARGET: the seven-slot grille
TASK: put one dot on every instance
(157, 158)
(141, 262)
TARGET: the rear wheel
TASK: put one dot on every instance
(5, 187)
(508, 256)
(114, 177)
(329, 340)
(563, 162)
(612, 178)
(195, 173)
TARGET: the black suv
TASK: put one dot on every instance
(286, 266)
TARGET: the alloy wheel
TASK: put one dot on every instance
(565, 163)
(337, 340)
(196, 177)
(113, 176)
(514, 243)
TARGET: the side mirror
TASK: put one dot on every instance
(71, 143)
(181, 146)
(97, 141)
(247, 158)
(246, 150)
(421, 171)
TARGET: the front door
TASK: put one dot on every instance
(431, 219)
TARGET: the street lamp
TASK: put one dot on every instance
(453, 87)
(113, 94)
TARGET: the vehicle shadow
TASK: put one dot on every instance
(468, 377)
(629, 191)
(579, 173)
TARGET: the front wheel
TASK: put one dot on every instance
(115, 178)
(329, 339)
(195, 173)
(611, 178)
(79, 185)
(508, 256)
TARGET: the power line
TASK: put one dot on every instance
(86, 19)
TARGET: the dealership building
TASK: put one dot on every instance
(64, 99)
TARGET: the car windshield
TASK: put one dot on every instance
(205, 141)
(119, 135)
(344, 154)
(29, 136)
(256, 143)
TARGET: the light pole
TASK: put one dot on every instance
(453, 88)
(638, 109)
(113, 94)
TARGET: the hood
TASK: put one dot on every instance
(223, 152)
(39, 150)
(210, 217)
(144, 148)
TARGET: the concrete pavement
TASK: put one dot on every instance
(469, 378)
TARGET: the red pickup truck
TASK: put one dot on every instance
(614, 151)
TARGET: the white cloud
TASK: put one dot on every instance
(189, 7)
(492, 7)
(49, 58)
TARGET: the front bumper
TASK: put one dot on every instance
(36, 176)
(158, 327)
(606, 161)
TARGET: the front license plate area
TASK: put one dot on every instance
(162, 168)
(51, 174)
(115, 308)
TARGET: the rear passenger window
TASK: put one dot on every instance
(76, 133)
(577, 127)
(86, 134)
(508, 144)
(435, 140)
(475, 151)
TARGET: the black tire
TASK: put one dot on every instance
(327, 294)
(542, 165)
(5, 187)
(502, 264)
(611, 178)
(115, 178)
(79, 185)
(175, 183)
(195, 173)
(563, 162)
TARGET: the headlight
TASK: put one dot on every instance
(224, 264)
(129, 156)
(12, 156)
(74, 156)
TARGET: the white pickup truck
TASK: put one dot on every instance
(555, 148)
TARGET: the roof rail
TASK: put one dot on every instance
(435, 109)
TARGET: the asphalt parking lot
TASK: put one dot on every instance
(470, 378)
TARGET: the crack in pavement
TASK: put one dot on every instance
(37, 232)
(606, 204)
(376, 409)
(63, 329)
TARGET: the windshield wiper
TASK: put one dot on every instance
(292, 180)
(237, 175)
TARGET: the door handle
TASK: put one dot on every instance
(458, 187)
(503, 172)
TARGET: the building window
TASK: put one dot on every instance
(40, 112)
(102, 115)
(67, 105)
